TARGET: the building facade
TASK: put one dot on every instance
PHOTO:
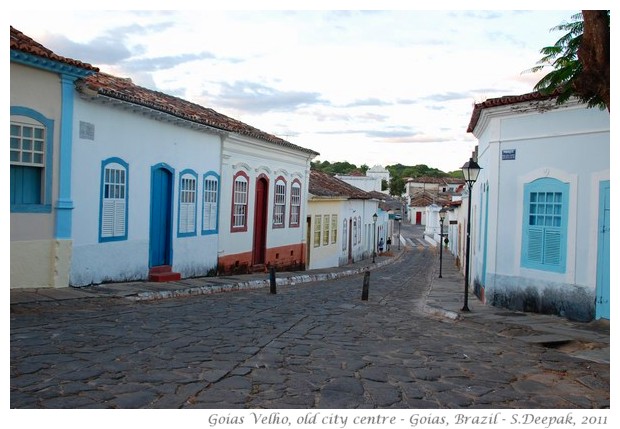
(540, 207)
(340, 223)
(41, 124)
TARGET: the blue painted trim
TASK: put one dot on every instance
(217, 213)
(195, 176)
(546, 184)
(48, 65)
(104, 164)
(64, 204)
(486, 237)
(46, 206)
(602, 300)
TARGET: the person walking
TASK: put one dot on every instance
(381, 245)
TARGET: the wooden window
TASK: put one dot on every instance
(240, 202)
(114, 200)
(187, 204)
(325, 230)
(210, 204)
(31, 141)
(317, 230)
(545, 225)
(334, 228)
(279, 203)
(295, 204)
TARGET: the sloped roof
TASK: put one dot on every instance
(504, 101)
(21, 42)
(424, 199)
(325, 185)
(125, 90)
(436, 180)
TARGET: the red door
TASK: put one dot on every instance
(418, 218)
(260, 222)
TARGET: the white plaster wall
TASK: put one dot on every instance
(141, 142)
(366, 183)
(570, 143)
(255, 157)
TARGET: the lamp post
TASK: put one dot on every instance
(442, 216)
(399, 221)
(470, 173)
(374, 237)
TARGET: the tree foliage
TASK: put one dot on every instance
(397, 186)
(579, 59)
(398, 173)
(339, 167)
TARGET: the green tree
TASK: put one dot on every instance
(384, 184)
(397, 186)
(580, 60)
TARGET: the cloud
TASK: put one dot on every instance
(164, 63)
(448, 96)
(101, 50)
(255, 97)
(368, 102)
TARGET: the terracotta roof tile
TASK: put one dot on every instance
(23, 43)
(325, 185)
(424, 199)
(125, 90)
(504, 101)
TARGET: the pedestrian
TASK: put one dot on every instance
(388, 243)
(381, 245)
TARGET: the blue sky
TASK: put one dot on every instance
(364, 86)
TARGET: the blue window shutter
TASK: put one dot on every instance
(553, 249)
(535, 245)
(545, 225)
(25, 185)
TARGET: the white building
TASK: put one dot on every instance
(540, 207)
(370, 182)
(264, 199)
(341, 228)
(145, 183)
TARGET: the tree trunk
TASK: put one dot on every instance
(594, 55)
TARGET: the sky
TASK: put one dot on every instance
(374, 87)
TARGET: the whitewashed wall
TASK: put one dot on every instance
(256, 157)
(141, 142)
(570, 143)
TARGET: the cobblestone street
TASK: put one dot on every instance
(312, 345)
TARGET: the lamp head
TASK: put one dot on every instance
(470, 171)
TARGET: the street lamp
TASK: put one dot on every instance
(442, 216)
(374, 237)
(470, 173)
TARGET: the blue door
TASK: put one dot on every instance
(160, 243)
(602, 266)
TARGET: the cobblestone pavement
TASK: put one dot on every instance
(312, 345)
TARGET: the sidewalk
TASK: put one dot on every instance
(588, 341)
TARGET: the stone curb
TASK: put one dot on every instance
(255, 284)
